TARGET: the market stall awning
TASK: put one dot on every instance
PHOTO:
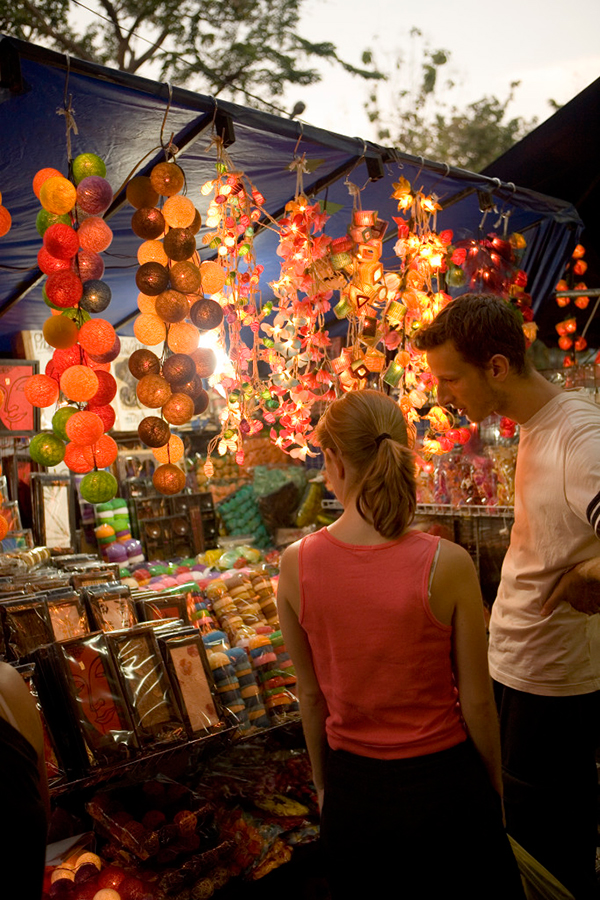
(123, 118)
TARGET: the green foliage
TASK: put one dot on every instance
(221, 47)
(425, 123)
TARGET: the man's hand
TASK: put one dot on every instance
(580, 587)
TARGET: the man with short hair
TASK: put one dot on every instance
(544, 650)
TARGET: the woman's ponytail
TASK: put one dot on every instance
(387, 493)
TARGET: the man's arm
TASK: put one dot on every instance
(579, 586)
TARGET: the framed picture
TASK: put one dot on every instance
(17, 415)
(54, 511)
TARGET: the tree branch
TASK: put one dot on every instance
(63, 41)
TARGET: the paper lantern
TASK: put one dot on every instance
(58, 195)
(152, 251)
(86, 164)
(98, 487)
(96, 296)
(106, 413)
(40, 177)
(60, 419)
(178, 409)
(201, 403)
(107, 389)
(97, 360)
(171, 452)
(45, 219)
(5, 221)
(143, 362)
(139, 192)
(149, 329)
(49, 264)
(60, 331)
(64, 288)
(178, 368)
(79, 383)
(84, 427)
(152, 279)
(97, 337)
(172, 306)
(192, 388)
(167, 179)
(206, 314)
(4, 528)
(94, 195)
(154, 432)
(179, 244)
(185, 277)
(148, 223)
(75, 459)
(90, 265)
(41, 391)
(61, 241)
(213, 277)
(183, 337)
(94, 235)
(47, 449)
(63, 359)
(205, 361)
(168, 479)
(179, 212)
(153, 391)
(196, 224)
(102, 453)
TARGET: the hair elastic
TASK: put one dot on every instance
(381, 437)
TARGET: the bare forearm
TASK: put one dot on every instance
(483, 729)
(314, 714)
(580, 587)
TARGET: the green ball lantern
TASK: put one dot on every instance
(60, 419)
(98, 487)
(87, 164)
(45, 219)
(47, 449)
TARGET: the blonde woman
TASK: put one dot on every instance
(385, 627)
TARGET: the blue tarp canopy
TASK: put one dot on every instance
(120, 117)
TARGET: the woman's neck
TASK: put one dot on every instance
(351, 528)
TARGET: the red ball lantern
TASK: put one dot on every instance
(152, 279)
(178, 409)
(79, 383)
(94, 195)
(171, 306)
(63, 359)
(107, 389)
(61, 241)
(41, 391)
(154, 432)
(5, 221)
(84, 428)
(143, 362)
(153, 391)
(49, 264)
(97, 337)
(94, 235)
(148, 223)
(168, 479)
(106, 413)
(4, 528)
(64, 289)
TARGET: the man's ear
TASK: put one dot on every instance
(499, 367)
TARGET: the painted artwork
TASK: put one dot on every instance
(17, 415)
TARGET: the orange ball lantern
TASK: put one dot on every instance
(171, 452)
(76, 460)
(146, 304)
(139, 192)
(179, 212)
(143, 362)
(79, 383)
(43, 175)
(94, 235)
(167, 179)
(213, 277)
(58, 195)
(4, 529)
(102, 453)
(152, 251)
(60, 331)
(149, 329)
(205, 361)
(41, 391)
(153, 391)
(148, 223)
(183, 337)
(84, 428)
(178, 409)
(185, 277)
(168, 479)
(5, 221)
(97, 336)
(171, 306)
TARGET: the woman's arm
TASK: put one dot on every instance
(312, 702)
(456, 598)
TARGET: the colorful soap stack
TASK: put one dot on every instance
(228, 688)
(200, 616)
(273, 682)
(249, 688)
(113, 533)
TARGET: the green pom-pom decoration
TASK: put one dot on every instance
(87, 164)
(47, 449)
(60, 419)
(98, 487)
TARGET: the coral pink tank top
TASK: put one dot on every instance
(382, 659)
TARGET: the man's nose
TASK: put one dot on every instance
(444, 396)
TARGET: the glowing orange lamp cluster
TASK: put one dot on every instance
(567, 330)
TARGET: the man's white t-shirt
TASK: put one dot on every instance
(557, 525)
